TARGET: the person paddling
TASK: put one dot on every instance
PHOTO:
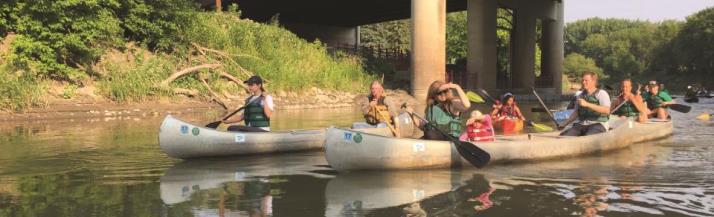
(634, 106)
(379, 110)
(443, 110)
(657, 101)
(259, 108)
(592, 110)
(508, 114)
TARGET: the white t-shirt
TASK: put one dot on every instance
(604, 99)
(267, 99)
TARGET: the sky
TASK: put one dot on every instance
(652, 10)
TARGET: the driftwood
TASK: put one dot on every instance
(187, 92)
(183, 72)
(213, 94)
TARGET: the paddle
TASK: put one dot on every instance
(550, 114)
(704, 116)
(469, 151)
(680, 108)
(473, 97)
(391, 128)
(216, 123)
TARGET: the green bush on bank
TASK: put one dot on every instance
(285, 60)
(17, 90)
(64, 40)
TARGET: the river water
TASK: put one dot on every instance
(100, 167)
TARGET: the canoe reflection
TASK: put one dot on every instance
(415, 193)
(182, 181)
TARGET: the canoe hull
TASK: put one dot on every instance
(180, 139)
(371, 152)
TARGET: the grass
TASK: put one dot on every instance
(18, 90)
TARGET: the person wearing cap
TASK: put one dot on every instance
(633, 107)
(378, 110)
(657, 101)
(478, 128)
(259, 108)
(592, 111)
(507, 114)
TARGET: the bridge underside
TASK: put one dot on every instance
(337, 22)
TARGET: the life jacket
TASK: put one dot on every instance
(443, 120)
(379, 113)
(508, 111)
(588, 114)
(480, 134)
(654, 100)
(628, 110)
(254, 115)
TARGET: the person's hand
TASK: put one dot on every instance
(409, 110)
(559, 127)
(583, 103)
(497, 106)
(373, 103)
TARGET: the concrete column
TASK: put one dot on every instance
(428, 45)
(553, 48)
(481, 56)
(524, 39)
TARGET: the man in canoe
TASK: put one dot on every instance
(592, 109)
(634, 106)
(379, 110)
(443, 110)
(657, 101)
(259, 108)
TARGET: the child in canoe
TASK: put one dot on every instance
(478, 128)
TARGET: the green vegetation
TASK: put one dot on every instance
(83, 43)
(675, 52)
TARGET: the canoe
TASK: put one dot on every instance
(351, 150)
(509, 126)
(180, 139)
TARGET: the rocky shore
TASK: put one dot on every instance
(99, 109)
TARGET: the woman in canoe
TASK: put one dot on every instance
(443, 110)
(259, 108)
(507, 114)
(379, 110)
(634, 106)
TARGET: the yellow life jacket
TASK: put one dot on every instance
(379, 113)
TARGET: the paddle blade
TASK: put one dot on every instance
(540, 127)
(473, 97)
(704, 117)
(680, 108)
(474, 155)
(213, 124)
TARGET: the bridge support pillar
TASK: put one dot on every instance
(524, 42)
(481, 54)
(428, 59)
(553, 48)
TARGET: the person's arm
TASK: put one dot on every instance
(573, 117)
(367, 106)
(518, 112)
(229, 121)
(465, 104)
(268, 106)
(603, 108)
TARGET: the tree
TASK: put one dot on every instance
(575, 64)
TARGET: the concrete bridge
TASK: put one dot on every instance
(337, 22)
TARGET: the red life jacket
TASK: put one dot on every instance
(481, 134)
(508, 111)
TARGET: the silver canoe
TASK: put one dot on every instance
(352, 150)
(180, 139)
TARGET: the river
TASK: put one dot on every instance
(98, 167)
